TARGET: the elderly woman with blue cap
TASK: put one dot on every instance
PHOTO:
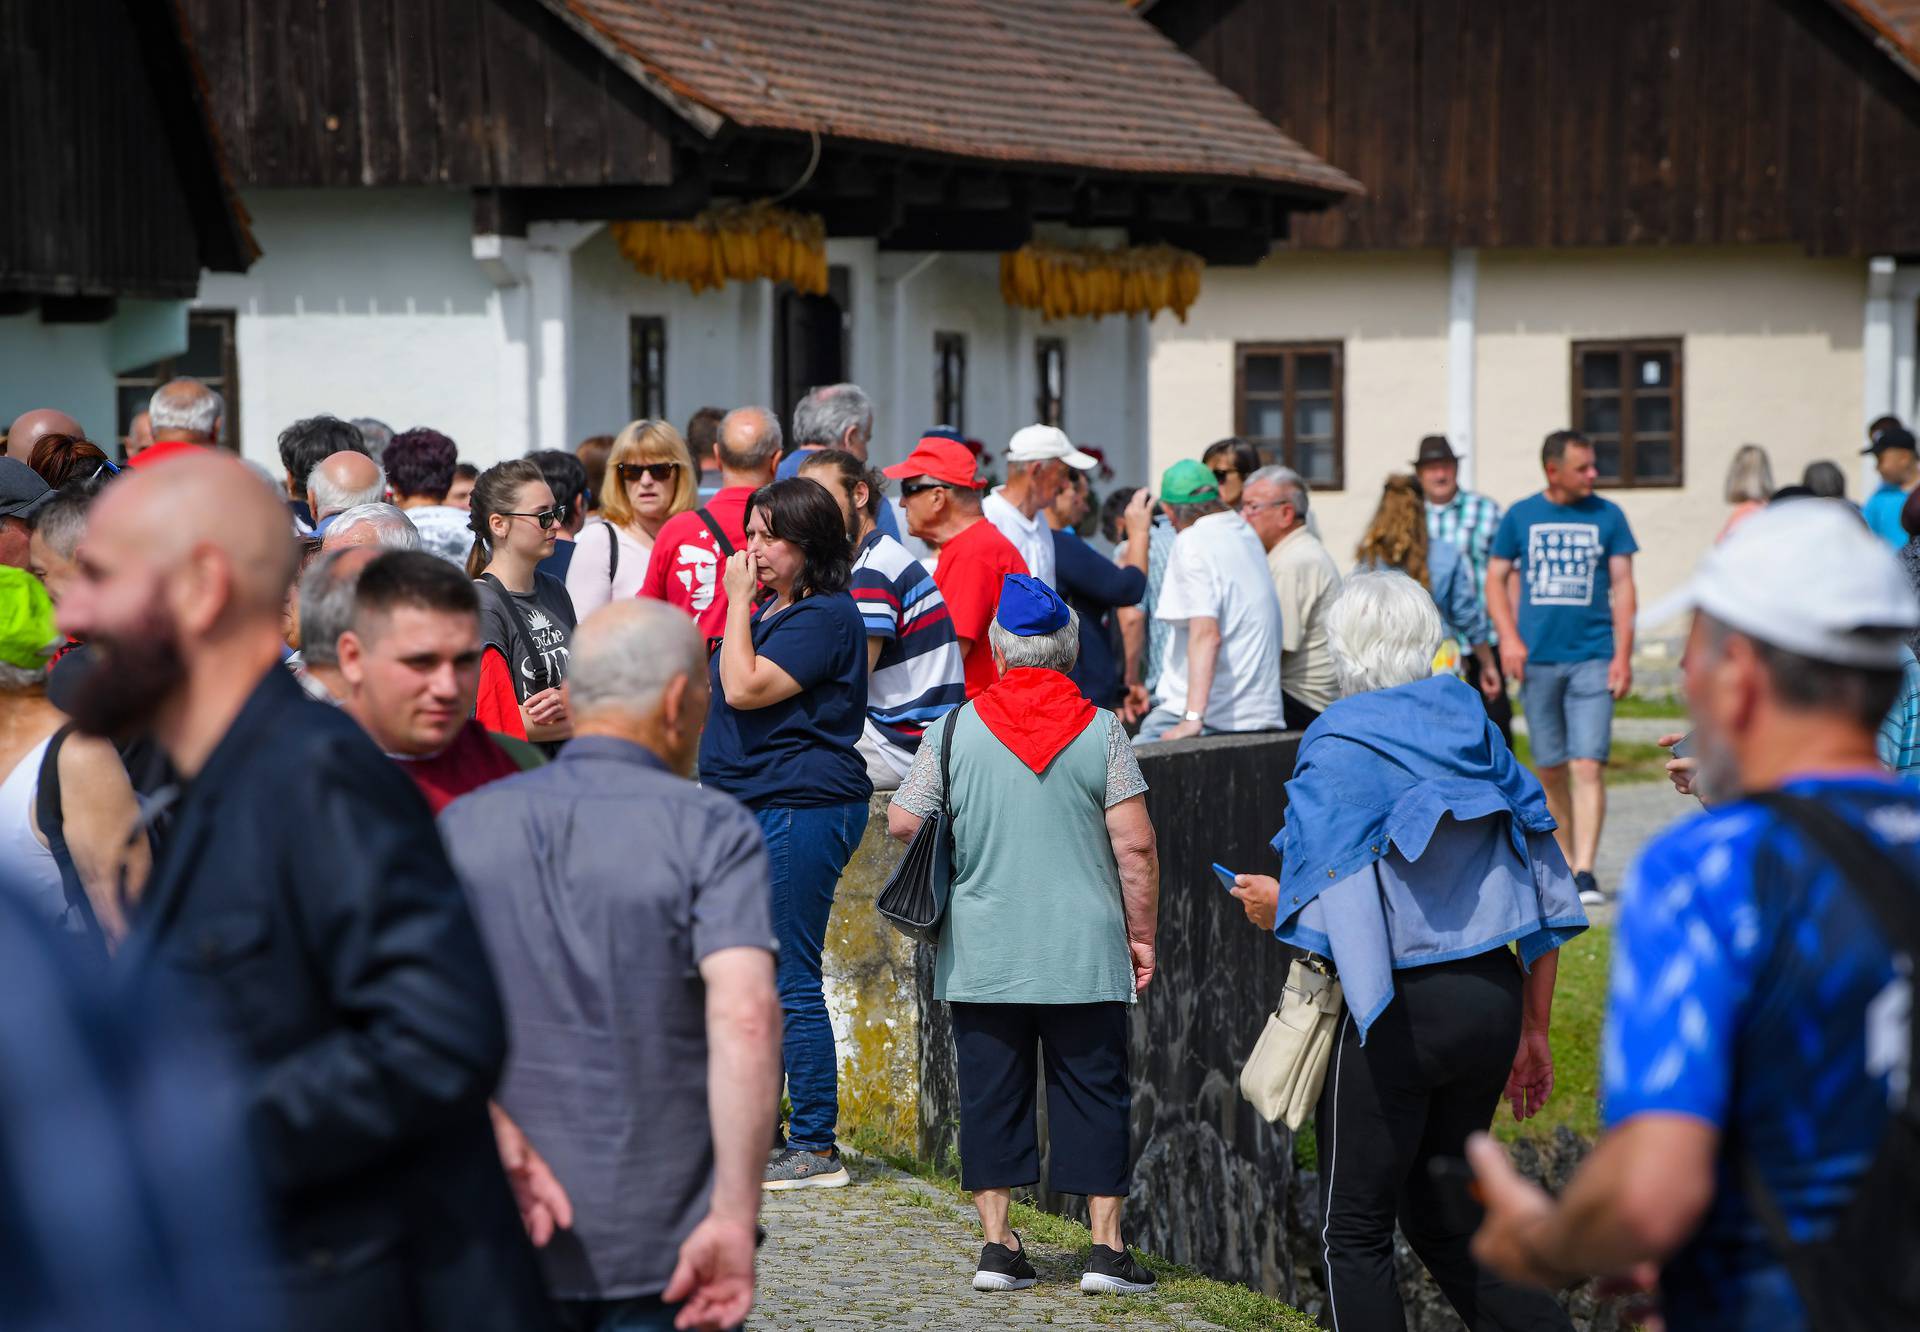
(1418, 855)
(1048, 935)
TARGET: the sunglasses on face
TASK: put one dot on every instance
(924, 485)
(547, 518)
(662, 472)
(1221, 474)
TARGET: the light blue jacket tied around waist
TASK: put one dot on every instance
(1414, 837)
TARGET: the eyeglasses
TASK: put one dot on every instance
(105, 466)
(924, 485)
(1221, 474)
(546, 517)
(659, 471)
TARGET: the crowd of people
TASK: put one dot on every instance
(471, 811)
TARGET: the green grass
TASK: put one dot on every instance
(1636, 705)
(1632, 760)
(1579, 1011)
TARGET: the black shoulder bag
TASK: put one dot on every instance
(1863, 1277)
(613, 551)
(914, 900)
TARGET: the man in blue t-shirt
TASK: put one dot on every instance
(1757, 1012)
(1896, 459)
(1571, 647)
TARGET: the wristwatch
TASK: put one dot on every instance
(1190, 716)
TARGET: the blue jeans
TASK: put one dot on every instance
(808, 848)
(1569, 711)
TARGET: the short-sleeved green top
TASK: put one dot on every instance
(1035, 916)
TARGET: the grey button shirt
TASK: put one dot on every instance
(599, 882)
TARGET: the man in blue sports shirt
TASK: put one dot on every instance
(1755, 1000)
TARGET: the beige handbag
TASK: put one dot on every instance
(1283, 1075)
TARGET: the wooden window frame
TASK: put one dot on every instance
(639, 387)
(949, 399)
(159, 372)
(1049, 409)
(1287, 453)
(1625, 349)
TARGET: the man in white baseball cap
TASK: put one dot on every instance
(1037, 460)
(1757, 1029)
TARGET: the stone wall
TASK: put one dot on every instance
(1214, 1185)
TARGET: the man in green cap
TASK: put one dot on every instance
(1222, 667)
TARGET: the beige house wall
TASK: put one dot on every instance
(1771, 354)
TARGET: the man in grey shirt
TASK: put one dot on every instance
(627, 913)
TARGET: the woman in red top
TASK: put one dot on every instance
(526, 617)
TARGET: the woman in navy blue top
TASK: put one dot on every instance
(789, 701)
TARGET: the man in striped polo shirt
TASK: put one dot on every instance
(916, 672)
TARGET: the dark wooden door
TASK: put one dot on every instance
(811, 342)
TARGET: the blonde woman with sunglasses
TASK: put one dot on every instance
(650, 477)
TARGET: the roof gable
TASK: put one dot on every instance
(1083, 85)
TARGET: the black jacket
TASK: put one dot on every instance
(304, 896)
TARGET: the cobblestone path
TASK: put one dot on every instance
(893, 1251)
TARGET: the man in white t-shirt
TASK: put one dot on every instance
(1038, 457)
(1222, 668)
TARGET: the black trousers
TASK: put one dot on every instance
(998, 1050)
(1296, 714)
(1431, 1073)
(1500, 709)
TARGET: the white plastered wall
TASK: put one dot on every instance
(1771, 353)
(362, 303)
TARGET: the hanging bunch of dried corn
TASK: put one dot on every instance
(730, 243)
(1064, 283)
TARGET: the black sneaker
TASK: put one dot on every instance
(797, 1169)
(1590, 894)
(1115, 1272)
(1002, 1268)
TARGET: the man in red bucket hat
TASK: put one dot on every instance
(941, 497)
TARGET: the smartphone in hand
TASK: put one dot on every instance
(1227, 876)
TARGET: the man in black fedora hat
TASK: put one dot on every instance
(1468, 521)
(1897, 460)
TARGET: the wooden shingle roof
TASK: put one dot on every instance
(1082, 85)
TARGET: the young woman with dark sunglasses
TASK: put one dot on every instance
(650, 477)
(526, 617)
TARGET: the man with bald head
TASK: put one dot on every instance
(304, 900)
(343, 481)
(29, 428)
(690, 548)
(184, 415)
(611, 841)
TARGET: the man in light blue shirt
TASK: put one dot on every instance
(1895, 458)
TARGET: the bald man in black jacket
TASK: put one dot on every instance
(304, 897)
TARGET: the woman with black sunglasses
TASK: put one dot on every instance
(526, 617)
(649, 477)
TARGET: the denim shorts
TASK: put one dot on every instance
(1569, 711)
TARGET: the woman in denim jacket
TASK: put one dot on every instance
(1419, 857)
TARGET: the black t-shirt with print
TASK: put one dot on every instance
(535, 640)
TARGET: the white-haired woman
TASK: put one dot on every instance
(1049, 933)
(1417, 855)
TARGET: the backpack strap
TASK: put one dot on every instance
(719, 534)
(1882, 884)
(50, 815)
